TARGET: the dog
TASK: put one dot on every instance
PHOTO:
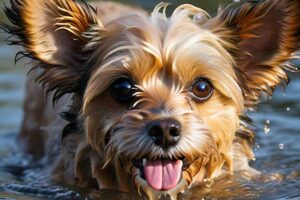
(121, 99)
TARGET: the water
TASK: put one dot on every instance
(277, 147)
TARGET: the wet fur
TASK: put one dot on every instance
(90, 139)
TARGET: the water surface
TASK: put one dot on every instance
(277, 146)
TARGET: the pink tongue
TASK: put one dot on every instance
(163, 174)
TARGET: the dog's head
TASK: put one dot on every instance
(162, 98)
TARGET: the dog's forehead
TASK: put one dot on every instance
(185, 53)
(170, 45)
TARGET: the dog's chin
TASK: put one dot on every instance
(164, 176)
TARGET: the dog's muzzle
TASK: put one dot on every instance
(162, 173)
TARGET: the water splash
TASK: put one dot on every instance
(267, 127)
(288, 109)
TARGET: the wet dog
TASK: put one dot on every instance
(148, 103)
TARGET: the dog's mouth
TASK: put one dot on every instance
(161, 174)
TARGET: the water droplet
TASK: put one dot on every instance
(288, 109)
(256, 146)
(208, 183)
(251, 109)
(281, 146)
(267, 127)
(270, 97)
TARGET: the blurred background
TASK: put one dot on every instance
(278, 129)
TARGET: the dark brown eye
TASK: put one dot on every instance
(202, 89)
(122, 89)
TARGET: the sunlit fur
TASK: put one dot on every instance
(78, 53)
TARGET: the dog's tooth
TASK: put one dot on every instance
(144, 162)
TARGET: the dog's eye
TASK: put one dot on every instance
(122, 89)
(202, 89)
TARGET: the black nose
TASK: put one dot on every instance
(165, 132)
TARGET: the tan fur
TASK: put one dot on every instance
(79, 53)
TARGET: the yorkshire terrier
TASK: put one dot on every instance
(148, 103)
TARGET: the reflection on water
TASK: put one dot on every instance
(277, 148)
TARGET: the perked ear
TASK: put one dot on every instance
(263, 36)
(51, 31)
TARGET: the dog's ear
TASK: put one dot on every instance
(262, 36)
(51, 31)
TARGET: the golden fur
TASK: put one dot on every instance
(79, 53)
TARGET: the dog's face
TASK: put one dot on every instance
(164, 107)
(161, 98)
